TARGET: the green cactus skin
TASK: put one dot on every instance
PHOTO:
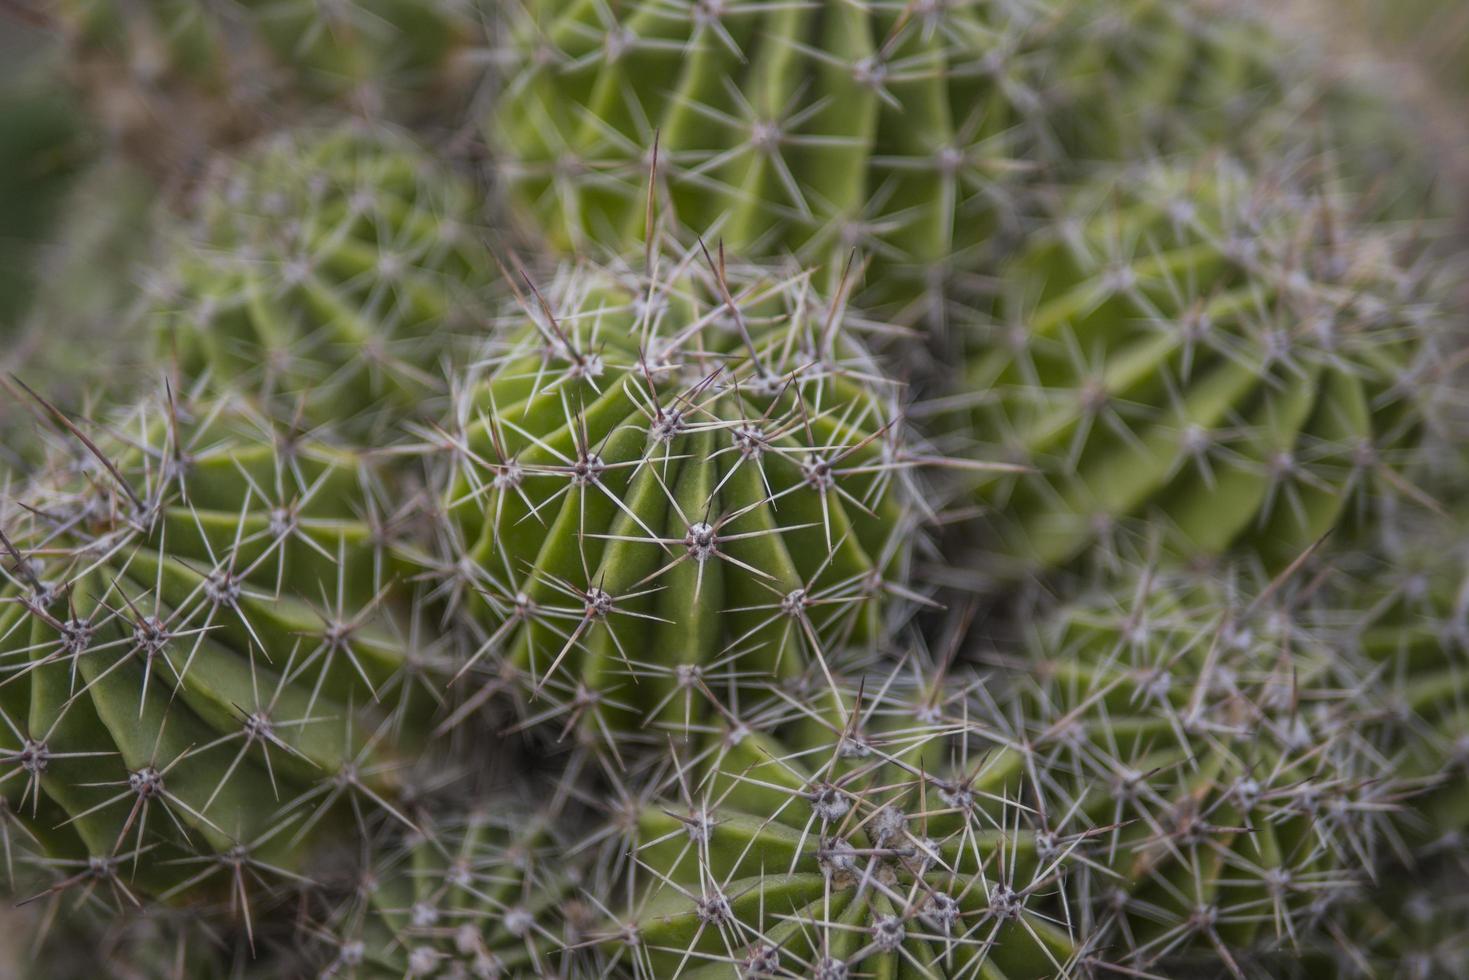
(486, 895)
(1409, 925)
(872, 846)
(330, 269)
(231, 64)
(154, 944)
(805, 129)
(1217, 754)
(666, 490)
(1142, 77)
(204, 660)
(1217, 355)
(1399, 609)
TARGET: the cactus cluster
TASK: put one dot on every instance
(848, 488)
(1216, 355)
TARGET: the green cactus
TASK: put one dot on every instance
(204, 652)
(1219, 355)
(481, 895)
(1141, 77)
(886, 842)
(1216, 754)
(665, 488)
(226, 69)
(1400, 610)
(780, 128)
(327, 268)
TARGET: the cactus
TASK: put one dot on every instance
(204, 653)
(806, 129)
(665, 488)
(883, 839)
(217, 73)
(1216, 754)
(1222, 355)
(484, 894)
(1151, 76)
(1400, 611)
(330, 268)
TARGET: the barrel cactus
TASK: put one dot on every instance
(205, 663)
(1221, 355)
(806, 129)
(865, 847)
(667, 488)
(483, 893)
(328, 270)
(1216, 754)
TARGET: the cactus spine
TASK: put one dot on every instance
(669, 488)
(203, 649)
(1204, 351)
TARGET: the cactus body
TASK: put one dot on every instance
(1217, 755)
(665, 492)
(481, 896)
(1203, 352)
(807, 129)
(203, 664)
(863, 853)
(328, 270)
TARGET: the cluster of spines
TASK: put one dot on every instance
(207, 662)
(1225, 354)
(702, 458)
(328, 270)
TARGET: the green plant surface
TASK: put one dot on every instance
(1192, 349)
(328, 270)
(805, 129)
(483, 894)
(1219, 756)
(667, 489)
(205, 659)
(885, 847)
(232, 68)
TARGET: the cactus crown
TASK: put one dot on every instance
(328, 270)
(704, 462)
(1224, 355)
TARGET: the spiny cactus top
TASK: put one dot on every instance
(1216, 755)
(876, 844)
(781, 128)
(668, 489)
(1225, 358)
(330, 268)
(203, 656)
